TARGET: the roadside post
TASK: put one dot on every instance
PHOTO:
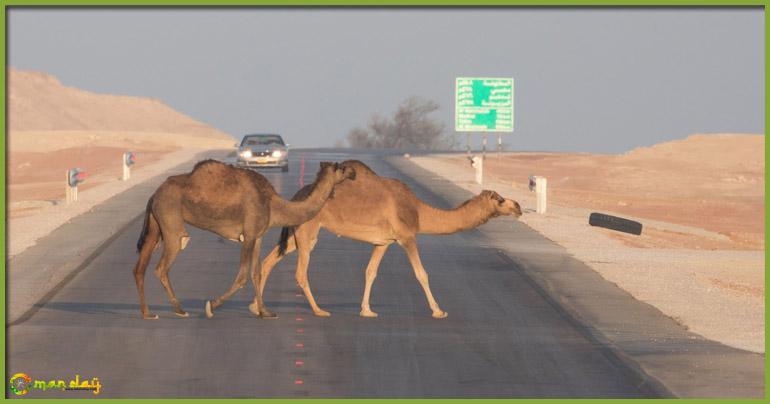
(482, 105)
(499, 146)
(540, 186)
(75, 176)
(129, 158)
(478, 163)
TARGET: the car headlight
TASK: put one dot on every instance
(246, 153)
(277, 153)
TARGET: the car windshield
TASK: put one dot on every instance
(262, 140)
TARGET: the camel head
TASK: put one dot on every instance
(501, 206)
(340, 172)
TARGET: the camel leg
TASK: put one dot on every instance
(410, 245)
(171, 247)
(371, 274)
(151, 241)
(272, 260)
(306, 238)
(247, 250)
(257, 307)
(267, 266)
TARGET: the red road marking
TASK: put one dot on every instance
(298, 381)
(298, 363)
(298, 295)
(300, 330)
(299, 345)
(299, 319)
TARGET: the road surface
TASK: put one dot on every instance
(502, 338)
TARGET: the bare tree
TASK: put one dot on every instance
(410, 128)
(359, 138)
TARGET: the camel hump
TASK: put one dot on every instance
(215, 169)
(207, 162)
(359, 166)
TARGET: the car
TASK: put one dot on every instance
(263, 150)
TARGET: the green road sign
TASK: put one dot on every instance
(483, 104)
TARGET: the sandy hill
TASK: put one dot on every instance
(39, 104)
(724, 149)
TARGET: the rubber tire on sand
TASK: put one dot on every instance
(615, 223)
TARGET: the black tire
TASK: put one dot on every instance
(615, 223)
(285, 168)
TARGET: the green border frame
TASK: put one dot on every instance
(364, 4)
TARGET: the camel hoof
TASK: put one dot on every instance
(182, 314)
(322, 313)
(269, 315)
(440, 314)
(254, 309)
(150, 316)
(209, 312)
(368, 313)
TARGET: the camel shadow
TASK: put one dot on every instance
(194, 306)
(123, 310)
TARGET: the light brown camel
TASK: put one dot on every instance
(235, 203)
(380, 211)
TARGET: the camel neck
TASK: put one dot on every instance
(294, 213)
(469, 215)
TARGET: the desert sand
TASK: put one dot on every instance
(53, 127)
(700, 258)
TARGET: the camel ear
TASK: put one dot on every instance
(325, 164)
(497, 197)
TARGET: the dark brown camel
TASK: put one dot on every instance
(380, 211)
(237, 204)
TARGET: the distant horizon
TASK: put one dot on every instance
(492, 146)
(587, 80)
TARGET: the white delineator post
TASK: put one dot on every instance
(478, 164)
(126, 168)
(71, 193)
(541, 185)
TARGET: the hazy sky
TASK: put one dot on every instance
(601, 80)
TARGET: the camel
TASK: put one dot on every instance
(380, 211)
(235, 203)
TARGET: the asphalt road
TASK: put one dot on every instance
(502, 338)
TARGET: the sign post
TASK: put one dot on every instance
(71, 192)
(75, 176)
(484, 104)
(129, 158)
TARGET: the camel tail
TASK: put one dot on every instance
(145, 227)
(283, 242)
